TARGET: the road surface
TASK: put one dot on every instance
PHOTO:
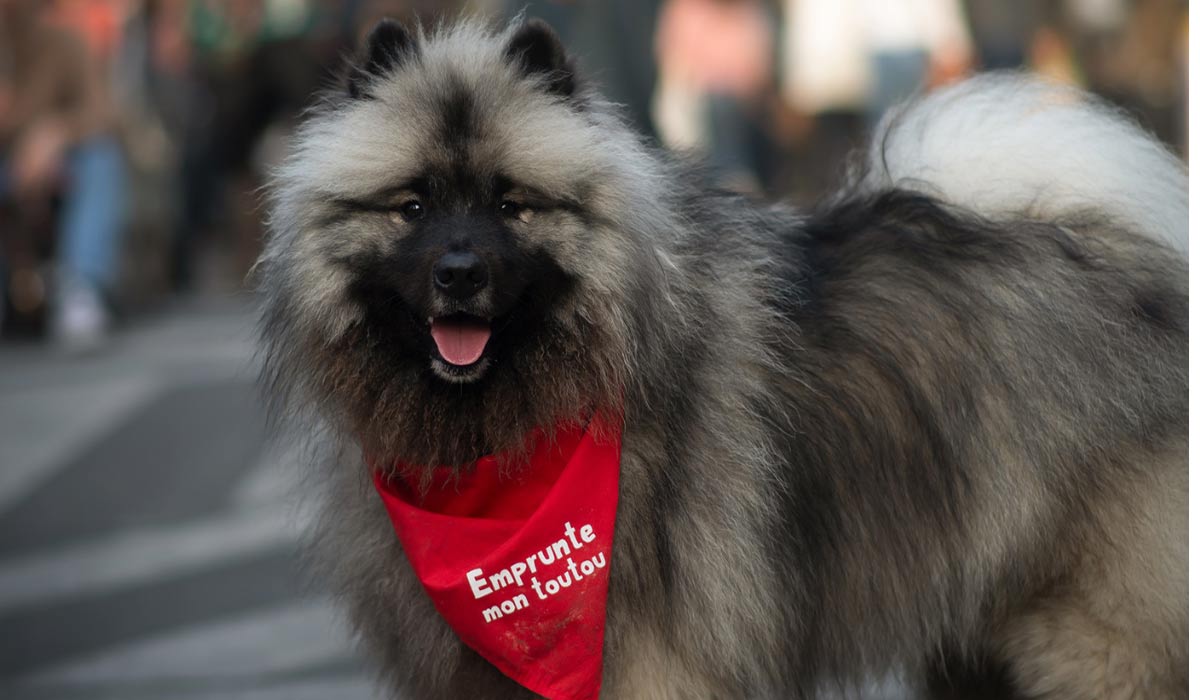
(148, 527)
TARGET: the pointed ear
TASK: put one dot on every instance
(388, 45)
(535, 48)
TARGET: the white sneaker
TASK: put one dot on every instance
(81, 320)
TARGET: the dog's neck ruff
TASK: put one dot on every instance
(516, 558)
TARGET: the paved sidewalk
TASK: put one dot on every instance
(148, 541)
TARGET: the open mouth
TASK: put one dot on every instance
(461, 339)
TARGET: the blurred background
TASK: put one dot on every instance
(149, 524)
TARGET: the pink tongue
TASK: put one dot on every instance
(460, 342)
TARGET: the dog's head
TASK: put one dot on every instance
(459, 245)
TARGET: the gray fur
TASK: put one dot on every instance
(897, 434)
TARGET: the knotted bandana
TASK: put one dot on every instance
(516, 559)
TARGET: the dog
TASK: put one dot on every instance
(935, 427)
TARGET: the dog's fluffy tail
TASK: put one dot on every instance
(1011, 145)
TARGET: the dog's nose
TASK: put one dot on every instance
(460, 274)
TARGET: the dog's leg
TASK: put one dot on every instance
(1118, 628)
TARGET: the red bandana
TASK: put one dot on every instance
(518, 562)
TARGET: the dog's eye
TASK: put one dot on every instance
(513, 210)
(409, 211)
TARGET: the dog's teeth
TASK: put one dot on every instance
(429, 321)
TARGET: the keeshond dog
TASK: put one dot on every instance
(934, 427)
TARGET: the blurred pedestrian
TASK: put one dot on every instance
(57, 141)
(1003, 31)
(613, 42)
(845, 63)
(715, 62)
(913, 44)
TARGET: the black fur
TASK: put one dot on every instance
(536, 48)
(388, 45)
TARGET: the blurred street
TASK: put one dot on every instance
(149, 529)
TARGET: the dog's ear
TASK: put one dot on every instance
(388, 45)
(536, 49)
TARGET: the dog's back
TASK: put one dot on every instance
(986, 398)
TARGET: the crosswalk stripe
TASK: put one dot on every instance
(342, 686)
(129, 557)
(54, 424)
(270, 641)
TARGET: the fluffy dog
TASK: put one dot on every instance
(937, 426)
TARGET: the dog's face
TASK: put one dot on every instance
(453, 255)
(461, 290)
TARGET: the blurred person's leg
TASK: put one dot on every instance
(24, 235)
(614, 41)
(195, 94)
(733, 138)
(90, 236)
(6, 191)
(200, 194)
(898, 76)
